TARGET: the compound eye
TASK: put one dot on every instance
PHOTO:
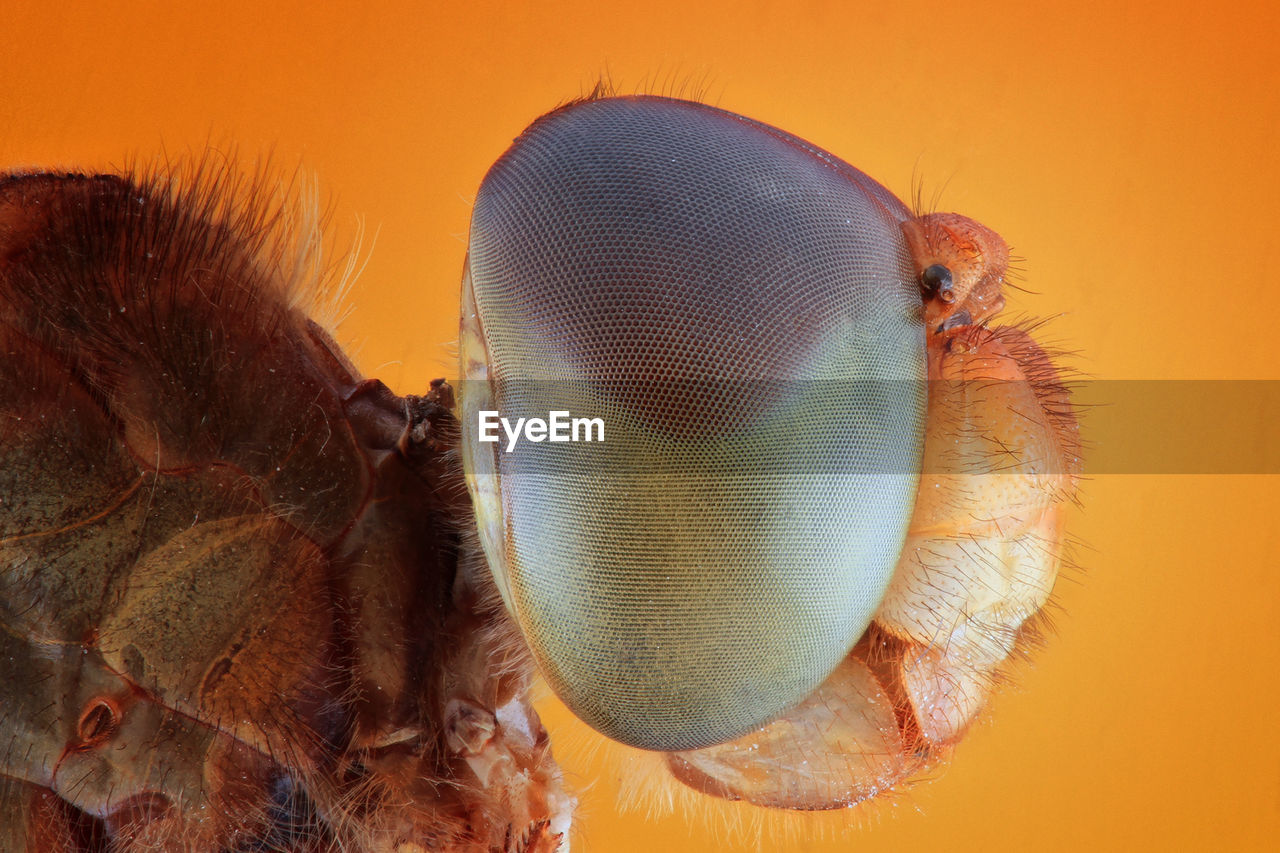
(739, 312)
(935, 282)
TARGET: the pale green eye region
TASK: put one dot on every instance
(738, 310)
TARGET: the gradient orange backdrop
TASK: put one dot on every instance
(1127, 151)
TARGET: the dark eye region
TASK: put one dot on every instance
(936, 282)
(740, 312)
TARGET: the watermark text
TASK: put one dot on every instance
(558, 426)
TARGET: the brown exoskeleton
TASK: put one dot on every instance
(236, 609)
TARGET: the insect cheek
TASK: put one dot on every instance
(668, 269)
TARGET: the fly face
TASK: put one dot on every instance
(770, 567)
(728, 419)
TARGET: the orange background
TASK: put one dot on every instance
(1127, 151)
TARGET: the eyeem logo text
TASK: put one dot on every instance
(558, 426)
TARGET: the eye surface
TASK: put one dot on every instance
(741, 312)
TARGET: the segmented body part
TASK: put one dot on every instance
(233, 603)
(962, 266)
(986, 540)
